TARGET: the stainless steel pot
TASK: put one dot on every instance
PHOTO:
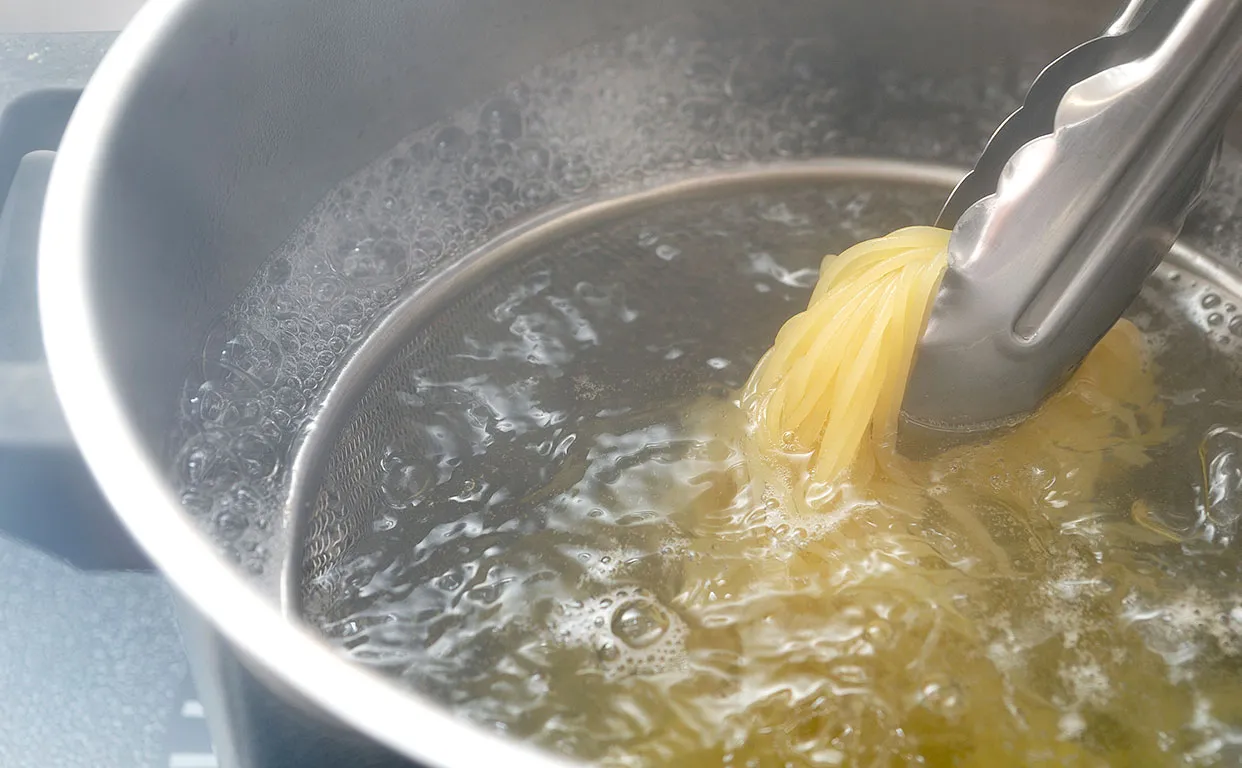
(214, 126)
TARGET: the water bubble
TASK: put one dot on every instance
(572, 173)
(439, 197)
(704, 115)
(229, 525)
(477, 168)
(787, 143)
(404, 481)
(1215, 318)
(451, 143)
(667, 252)
(474, 219)
(705, 67)
(1210, 300)
(879, 633)
(478, 196)
(209, 404)
(428, 244)
(278, 271)
(328, 289)
(608, 652)
(503, 152)
(537, 192)
(258, 456)
(704, 154)
(197, 504)
(486, 594)
(289, 394)
(200, 461)
(369, 261)
(1221, 454)
(502, 189)
(825, 756)
(640, 623)
(532, 158)
(398, 167)
(451, 580)
(418, 153)
(502, 118)
(235, 510)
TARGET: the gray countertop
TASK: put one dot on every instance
(92, 672)
(32, 61)
(65, 15)
(91, 666)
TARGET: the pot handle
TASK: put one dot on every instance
(47, 496)
(30, 127)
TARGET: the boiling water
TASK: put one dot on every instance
(616, 116)
(537, 548)
(557, 549)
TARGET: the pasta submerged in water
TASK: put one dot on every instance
(759, 580)
(890, 610)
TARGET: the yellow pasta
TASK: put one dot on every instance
(839, 604)
(821, 526)
(830, 388)
(823, 405)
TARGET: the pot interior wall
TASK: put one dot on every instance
(243, 116)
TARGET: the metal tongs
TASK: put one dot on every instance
(1074, 202)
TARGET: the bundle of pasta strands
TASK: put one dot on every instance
(823, 405)
(829, 390)
(816, 435)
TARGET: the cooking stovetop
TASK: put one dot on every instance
(92, 671)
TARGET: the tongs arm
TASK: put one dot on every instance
(1043, 267)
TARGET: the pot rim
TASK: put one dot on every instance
(135, 486)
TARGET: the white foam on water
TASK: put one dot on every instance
(630, 631)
